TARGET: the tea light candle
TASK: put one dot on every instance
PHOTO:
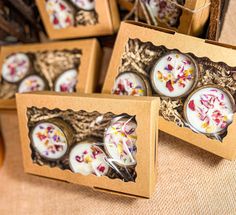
(165, 11)
(120, 141)
(84, 4)
(174, 75)
(209, 110)
(60, 13)
(87, 158)
(66, 82)
(50, 140)
(15, 67)
(131, 84)
(32, 83)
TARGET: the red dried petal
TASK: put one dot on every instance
(62, 7)
(58, 147)
(191, 105)
(68, 19)
(121, 87)
(169, 86)
(79, 159)
(55, 21)
(170, 67)
(101, 168)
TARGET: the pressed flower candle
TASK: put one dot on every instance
(32, 83)
(87, 158)
(120, 141)
(209, 110)
(132, 84)
(174, 75)
(66, 82)
(15, 67)
(49, 140)
(165, 11)
(84, 4)
(60, 13)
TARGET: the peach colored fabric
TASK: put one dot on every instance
(191, 181)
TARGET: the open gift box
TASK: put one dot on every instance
(184, 16)
(70, 18)
(67, 137)
(58, 66)
(195, 79)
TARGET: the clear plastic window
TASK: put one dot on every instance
(68, 13)
(84, 142)
(195, 92)
(39, 71)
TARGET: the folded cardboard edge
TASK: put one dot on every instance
(93, 68)
(119, 193)
(2, 154)
(95, 188)
(54, 42)
(141, 24)
(191, 5)
(168, 31)
(88, 95)
(115, 16)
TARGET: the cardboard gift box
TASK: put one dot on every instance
(1, 150)
(87, 64)
(101, 20)
(188, 17)
(139, 47)
(136, 178)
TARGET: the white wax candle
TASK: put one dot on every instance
(66, 82)
(129, 83)
(87, 158)
(120, 139)
(49, 141)
(60, 13)
(31, 83)
(15, 67)
(165, 11)
(209, 110)
(84, 4)
(174, 75)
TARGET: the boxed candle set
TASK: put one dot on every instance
(79, 18)
(111, 147)
(195, 79)
(184, 16)
(57, 66)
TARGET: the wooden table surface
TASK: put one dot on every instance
(191, 181)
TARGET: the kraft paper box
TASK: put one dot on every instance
(51, 61)
(188, 18)
(69, 18)
(1, 151)
(143, 57)
(115, 139)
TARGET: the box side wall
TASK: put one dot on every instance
(115, 16)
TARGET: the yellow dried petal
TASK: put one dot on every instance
(120, 148)
(87, 159)
(159, 75)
